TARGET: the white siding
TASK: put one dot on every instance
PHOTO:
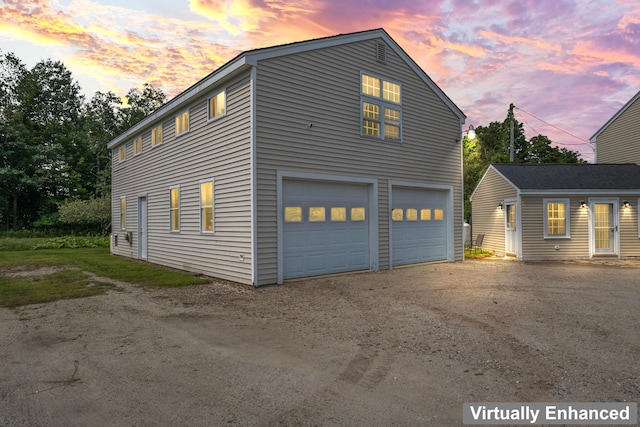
(322, 88)
(220, 150)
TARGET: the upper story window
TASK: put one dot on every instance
(217, 105)
(556, 218)
(182, 123)
(122, 153)
(380, 107)
(137, 146)
(156, 136)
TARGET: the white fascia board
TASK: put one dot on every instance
(515, 187)
(614, 118)
(274, 52)
(179, 101)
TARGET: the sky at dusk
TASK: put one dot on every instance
(569, 63)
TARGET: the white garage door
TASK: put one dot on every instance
(418, 221)
(326, 228)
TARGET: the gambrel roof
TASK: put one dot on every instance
(572, 176)
(248, 59)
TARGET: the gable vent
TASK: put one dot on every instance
(381, 52)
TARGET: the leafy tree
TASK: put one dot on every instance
(140, 103)
(492, 145)
(95, 211)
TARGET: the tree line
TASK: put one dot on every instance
(54, 164)
(55, 168)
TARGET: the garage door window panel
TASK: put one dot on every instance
(317, 214)
(425, 214)
(358, 214)
(397, 214)
(339, 214)
(412, 214)
(293, 214)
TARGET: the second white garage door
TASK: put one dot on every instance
(326, 227)
(419, 225)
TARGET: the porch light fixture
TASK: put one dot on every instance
(583, 204)
(471, 133)
(501, 206)
(625, 204)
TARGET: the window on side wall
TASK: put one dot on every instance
(556, 218)
(174, 209)
(217, 105)
(206, 206)
(137, 146)
(122, 153)
(381, 110)
(156, 136)
(123, 213)
(182, 123)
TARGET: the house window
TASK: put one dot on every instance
(122, 153)
(137, 146)
(206, 206)
(556, 218)
(156, 136)
(217, 105)
(380, 108)
(174, 208)
(182, 123)
(123, 213)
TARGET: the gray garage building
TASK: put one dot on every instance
(324, 156)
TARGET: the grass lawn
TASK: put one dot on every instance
(70, 281)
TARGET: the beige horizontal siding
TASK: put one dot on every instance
(618, 143)
(535, 246)
(486, 218)
(219, 149)
(322, 87)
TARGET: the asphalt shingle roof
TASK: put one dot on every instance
(575, 176)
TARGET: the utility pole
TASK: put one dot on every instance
(511, 106)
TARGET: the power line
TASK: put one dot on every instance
(556, 143)
(555, 127)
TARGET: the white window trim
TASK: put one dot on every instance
(188, 122)
(213, 204)
(171, 209)
(123, 214)
(381, 103)
(567, 218)
(213, 119)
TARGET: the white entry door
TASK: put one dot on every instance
(604, 227)
(510, 229)
(142, 228)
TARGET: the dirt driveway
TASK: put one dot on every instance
(405, 347)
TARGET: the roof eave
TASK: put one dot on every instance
(614, 117)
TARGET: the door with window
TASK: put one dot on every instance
(604, 227)
(142, 228)
(510, 231)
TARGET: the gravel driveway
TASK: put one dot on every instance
(402, 347)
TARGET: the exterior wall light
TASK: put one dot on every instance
(471, 133)
(625, 204)
(501, 206)
(583, 204)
